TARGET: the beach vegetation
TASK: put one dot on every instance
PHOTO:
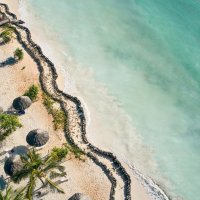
(7, 35)
(18, 54)
(8, 124)
(9, 27)
(77, 152)
(32, 92)
(59, 153)
(59, 117)
(11, 194)
(45, 169)
(5, 38)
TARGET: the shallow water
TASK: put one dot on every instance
(137, 66)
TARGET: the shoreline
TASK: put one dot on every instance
(96, 150)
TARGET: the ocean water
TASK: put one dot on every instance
(136, 65)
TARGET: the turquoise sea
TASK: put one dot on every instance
(136, 65)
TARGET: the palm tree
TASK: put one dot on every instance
(41, 168)
(12, 195)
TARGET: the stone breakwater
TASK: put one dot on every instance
(76, 135)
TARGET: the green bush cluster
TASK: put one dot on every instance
(59, 153)
(59, 117)
(6, 38)
(18, 54)
(6, 35)
(8, 124)
(32, 92)
(74, 150)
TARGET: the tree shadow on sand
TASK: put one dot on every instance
(12, 111)
(2, 43)
(3, 183)
(9, 61)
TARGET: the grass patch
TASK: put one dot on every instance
(59, 153)
(8, 124)
(9, 27)
(75, 151)
(59, 117)
(18, 54)
(7, 34)
(59, 120)
(32, 92)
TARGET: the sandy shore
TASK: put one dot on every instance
(85, 177)
(14, 7)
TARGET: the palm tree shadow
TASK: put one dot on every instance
(3, 183)
(40, 194)
(12, 111)
(2, 43)
(9, 61)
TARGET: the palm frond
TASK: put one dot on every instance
(32, 160)
(1, 196)
(31, 186)
(24, 173)
(54, 186)
(54, 174)
(33, 156)
(60, 168)
(50, 165)
(8, 193)
(20, 194)
(59, 154)
(47, 159)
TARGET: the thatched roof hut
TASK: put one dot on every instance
(1, 109)
(13, 165)
(22, 103)
(79, 196)
(37, 138)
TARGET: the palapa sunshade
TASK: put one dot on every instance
(22, 103)
(13, 165)
(79, 196)
(37, 138)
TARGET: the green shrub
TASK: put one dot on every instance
(6, 35)
(32, 92)
(6, 39)
(48, 103)
(9, 27)
(59, 153)
(8, 124)
(59, 117)
(75, 150)
(18, 54)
